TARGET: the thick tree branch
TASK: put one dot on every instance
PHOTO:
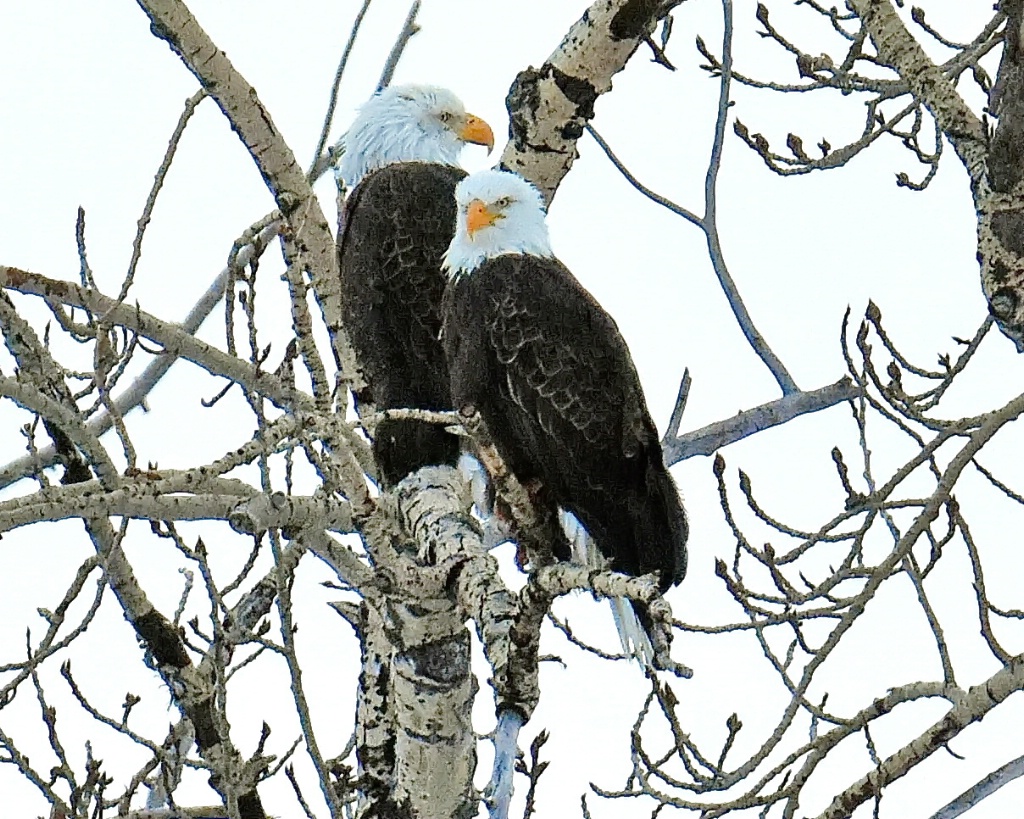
(994, 169)
(307, 227)
(68, 421)
(897, 47)
(1001, 212)
(428, 687)
(550, 106)
(36, 365)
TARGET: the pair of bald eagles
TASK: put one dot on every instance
(452, 297)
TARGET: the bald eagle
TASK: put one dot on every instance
(401, 162)
(552, 377)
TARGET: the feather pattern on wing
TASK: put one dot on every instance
(399, 221)
(552, 377)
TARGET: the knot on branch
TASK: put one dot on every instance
(540, 119)
(636, 19)
(276, 510)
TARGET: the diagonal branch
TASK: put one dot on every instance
(897, 47)
(68, 421)
(409, 28)
(977, 703)
(306, 224)
(550, 106)
(339, 72)
(986, 787)
(709, 439)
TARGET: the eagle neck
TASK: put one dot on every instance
(465, 257)
(390, 146)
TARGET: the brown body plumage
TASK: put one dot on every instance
(400, 157)
(550, 374)
(398, 223)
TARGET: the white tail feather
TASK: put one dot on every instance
(473, 473)
(634, 640)
(495, 531)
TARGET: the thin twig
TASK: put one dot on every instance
(333, 102)
(708, 222)
(409, 29)
(158, 182)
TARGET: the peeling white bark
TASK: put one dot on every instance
(549, 106)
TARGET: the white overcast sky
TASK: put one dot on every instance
(88, 98)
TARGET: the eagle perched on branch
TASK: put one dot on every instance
(551, 376)
(401, 162)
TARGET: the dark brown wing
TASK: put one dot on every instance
(557, 387)
(397, 227)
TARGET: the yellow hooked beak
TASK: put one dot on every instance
(478, 132)
(478, 216)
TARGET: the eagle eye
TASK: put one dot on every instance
(504, 202)
(445, 116)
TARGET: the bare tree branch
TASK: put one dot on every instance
(550, 106)
(986, 787)
(408, 30)
(338, 74)
(708, 223)
(976, 703)
(709, 439)
(307, 226)
(898, 48)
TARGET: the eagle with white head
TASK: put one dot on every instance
(550, 374)
(401, 161)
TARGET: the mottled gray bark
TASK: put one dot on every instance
(975, 705)
(993, 161)
(1001, 213)
(550, 106)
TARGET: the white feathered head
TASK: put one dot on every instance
(409, 123)
(498, 213)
